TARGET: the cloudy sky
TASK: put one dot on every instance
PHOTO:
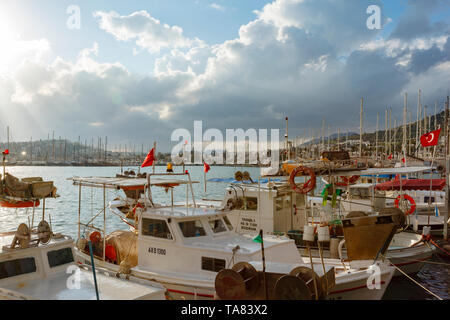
(137, 70)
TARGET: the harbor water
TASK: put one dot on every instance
(63, 213)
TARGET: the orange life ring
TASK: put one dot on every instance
(308, 185)
(95, 237)
(411, 201)
(347, 180)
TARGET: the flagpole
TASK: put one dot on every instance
(264, 264)
(204, 177)
(154, 150)
(431, 184)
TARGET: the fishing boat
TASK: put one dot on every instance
(36, 263)
(25, 192)
(183, 246)
(277, 208)
(40, 265)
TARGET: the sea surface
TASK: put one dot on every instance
(63, 213)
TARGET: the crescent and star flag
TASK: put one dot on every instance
(149, 159)
(206, 167)
(430, 138)
(390, 156)
(6, 151)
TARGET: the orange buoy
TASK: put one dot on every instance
(95, 237)
(110, 252)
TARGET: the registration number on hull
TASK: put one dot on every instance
(157, 250)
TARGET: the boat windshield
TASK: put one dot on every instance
(193, 228)
(227, 221)
(217, 225)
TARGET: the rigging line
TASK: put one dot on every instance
(433, 294)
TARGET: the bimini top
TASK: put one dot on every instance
(127, 183)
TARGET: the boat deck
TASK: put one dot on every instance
(70, 286)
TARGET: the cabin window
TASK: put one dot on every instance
(155, 228)
(192, 228)
(228, 223)
(282, 202)
(252, 203)
(17, 267)
(59, 257)
(217, 225)
(427, 198)
(359, 192)
(213, 264)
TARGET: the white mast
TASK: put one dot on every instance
(386, 150)
(417, 122)
(338, 139)
(360, 128)
(376, 137)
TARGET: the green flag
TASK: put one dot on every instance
(258, 239)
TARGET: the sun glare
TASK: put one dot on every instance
(8, 43)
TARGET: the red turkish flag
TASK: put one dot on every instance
(149, 159)
(6, 151)
(430, 138)
(403, 160)
(390, 156)
(206, 167)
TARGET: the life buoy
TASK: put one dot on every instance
(308, 185)
(411, 201)
(347, 180)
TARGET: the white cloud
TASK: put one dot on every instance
(148, 32)
(217, 7)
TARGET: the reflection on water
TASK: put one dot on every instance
(64, 214)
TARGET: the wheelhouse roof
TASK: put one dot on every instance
(115, 183)
(182, 212)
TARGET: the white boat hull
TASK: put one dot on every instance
(348, 287)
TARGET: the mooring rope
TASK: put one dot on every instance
(410, 278)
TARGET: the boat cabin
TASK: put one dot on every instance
(203, 238)
(272, 207)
